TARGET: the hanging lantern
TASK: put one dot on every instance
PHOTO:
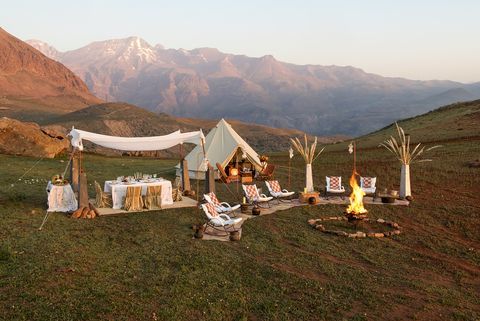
(350, 148)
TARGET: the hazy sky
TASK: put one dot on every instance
(422, 39)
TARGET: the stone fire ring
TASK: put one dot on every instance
(316, 223)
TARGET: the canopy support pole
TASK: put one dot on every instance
(185, 177)
(210, 180)
(75, 170)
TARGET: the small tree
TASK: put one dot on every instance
(308, 154)
(406, 156)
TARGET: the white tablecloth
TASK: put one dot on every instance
(119, 190)
(61, 198)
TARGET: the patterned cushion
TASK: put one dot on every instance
(211, 209)
(214, 199)
(367, 182)
(335, 182)
(251, 191)
(275, 186)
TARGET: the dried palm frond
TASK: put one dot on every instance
(401, 149)
(308, 153)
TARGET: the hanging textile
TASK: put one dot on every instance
(135, 143)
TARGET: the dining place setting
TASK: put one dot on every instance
(139, 191)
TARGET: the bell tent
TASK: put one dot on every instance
(224, 146)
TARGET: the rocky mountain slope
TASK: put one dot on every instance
(120, 119)
(26, 74)
(208, 83)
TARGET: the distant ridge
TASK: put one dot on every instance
(208, 83)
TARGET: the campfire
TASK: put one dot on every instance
(355, 210)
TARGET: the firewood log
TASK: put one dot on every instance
(77, 213)
(92, 207)
(85, 212)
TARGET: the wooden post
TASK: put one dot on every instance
(83, 192)
(209, 180)
(185, 177)
(75, 170)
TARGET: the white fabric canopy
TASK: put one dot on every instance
(136, 143)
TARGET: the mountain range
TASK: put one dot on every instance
(207, 83)
(27, 74)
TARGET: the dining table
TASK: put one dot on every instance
(118, 189)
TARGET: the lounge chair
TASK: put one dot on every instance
(102, 199)
(334, 186)
(221, 207)
(276, 191)
(226, 178)
(267, 172)
(254, 197)
(219, 221)
(367, 184)
(133, 199)
(153, 199)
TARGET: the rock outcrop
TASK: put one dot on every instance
(29, 139)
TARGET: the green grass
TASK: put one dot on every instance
(133, 266)
(146, 266)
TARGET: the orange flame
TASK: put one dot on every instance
(356, 198)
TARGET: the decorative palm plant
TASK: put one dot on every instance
(308, 154)
(406, 155)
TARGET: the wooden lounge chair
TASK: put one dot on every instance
(227, 179)
(221, 207)
(367, 184)
(254, 197)
(153, 199)
(277, 192)
(218, 221)
(133, 199)
(334, 186)
(267, 173)
(102, 199)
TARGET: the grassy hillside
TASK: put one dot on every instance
(146, 266)
(453, 122)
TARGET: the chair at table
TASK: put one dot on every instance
(102, 199)
(334, 186)
(219, 221)
(221, 207)
(133, 199)
(153, 199)
(367, 184)
(276, 191)
(254, 197)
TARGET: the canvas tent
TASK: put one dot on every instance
(222, 145)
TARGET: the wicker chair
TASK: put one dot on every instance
(277, 192)
(267, 173)
(221, 207)
(254, 197)
(334, 186)
(102, 199)
(217, 221)
(133, 199)
(367, 184)
(153, 199)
